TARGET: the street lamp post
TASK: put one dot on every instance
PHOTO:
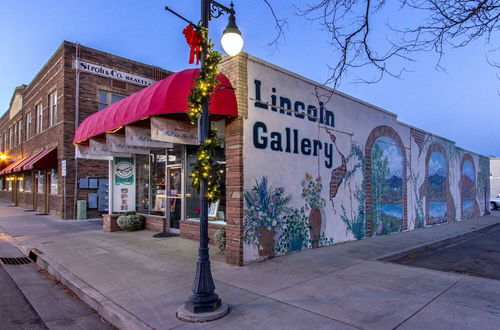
(204, 304)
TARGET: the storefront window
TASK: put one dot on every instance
(10, 185)
(142, 191)
(193, 197)
(40, 182)
(1, 184)
(20, 184)
(53, 182)
(174, 184)
(158, 167)
(27, 183)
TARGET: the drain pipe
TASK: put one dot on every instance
(77, 117)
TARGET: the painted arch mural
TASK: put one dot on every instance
(470, 207)
(385, 168)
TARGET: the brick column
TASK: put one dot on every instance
(235, 69)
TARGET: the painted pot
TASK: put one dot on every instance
(296, 244)
(315, 226)
(266, 242)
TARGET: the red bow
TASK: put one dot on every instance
(193, 39)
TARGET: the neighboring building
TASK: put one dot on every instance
(301, 166)
(37, 130)
(495, 177)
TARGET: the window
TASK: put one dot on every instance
(20, 132)
(107, 98)
(39, 119)
(20, 184)
(53, 182)
(28, 126)
(15, 134)
(27, 183)
(10, 139)
(52, 109)
(5, 141)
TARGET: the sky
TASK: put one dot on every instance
(461, 104)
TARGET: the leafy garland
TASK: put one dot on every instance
(204, 86)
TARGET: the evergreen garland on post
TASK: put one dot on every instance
(204, 86)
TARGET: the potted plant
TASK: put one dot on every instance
(265, 208)
(130, 221)
(311, 193)
(220, 239)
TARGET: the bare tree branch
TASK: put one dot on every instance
(442, 24)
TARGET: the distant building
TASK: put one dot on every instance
(495, 176)
(36, 132)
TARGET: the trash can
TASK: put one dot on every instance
(81, 210)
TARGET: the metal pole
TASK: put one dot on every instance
(204, 299)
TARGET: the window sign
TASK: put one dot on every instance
(27, 183)
(53, 182)
(124, 184)
(40, 182)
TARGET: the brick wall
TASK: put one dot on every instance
(235, 69)
(59, 75)
(191, 229)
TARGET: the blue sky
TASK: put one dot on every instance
(462, 104)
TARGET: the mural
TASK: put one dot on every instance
(323, 168)
(468, 188)
(387, 186)
(437, 183)
(274, 227)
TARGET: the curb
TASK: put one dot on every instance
(107, 309)
(434, 244)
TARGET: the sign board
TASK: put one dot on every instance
(117, 143)
(123, 184)
(63, 167)
(169, 130)
(83, 152)
(100, 148)
(141, 136)
(113, 73)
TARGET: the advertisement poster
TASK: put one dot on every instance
(124, 184)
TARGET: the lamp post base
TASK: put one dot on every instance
(184, 314)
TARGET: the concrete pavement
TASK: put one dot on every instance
(31, 299)
(136, 281)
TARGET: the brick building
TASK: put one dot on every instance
(37, 130)
(301, 165)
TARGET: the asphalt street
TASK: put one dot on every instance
(475, 255)
(15, 311)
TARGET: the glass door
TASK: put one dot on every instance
(175, 191)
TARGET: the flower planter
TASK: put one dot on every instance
(266, 242)
(315, 226)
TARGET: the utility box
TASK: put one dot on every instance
(81, 210)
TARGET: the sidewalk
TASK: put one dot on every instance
(137, 281)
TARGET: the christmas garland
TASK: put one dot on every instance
(204, 86)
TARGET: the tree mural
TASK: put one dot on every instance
(387, 186)
(355, 221)
(470, 208)
(437, 177)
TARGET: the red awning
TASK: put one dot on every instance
(167, 96)
(45, 160)
(9, 169)
(19, 166)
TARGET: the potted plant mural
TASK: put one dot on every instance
(294, 232)
(311, 193)
(265, 209)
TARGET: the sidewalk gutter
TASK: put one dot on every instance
(435, 244)
(106, 308)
